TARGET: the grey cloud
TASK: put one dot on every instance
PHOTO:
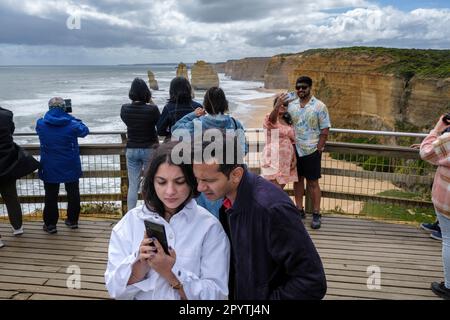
(30, 30)
(273, 38)
(228, 11)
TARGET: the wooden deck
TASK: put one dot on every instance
(34, 265)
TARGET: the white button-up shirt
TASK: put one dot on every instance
(202, 256)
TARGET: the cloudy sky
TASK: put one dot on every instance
(161, 31)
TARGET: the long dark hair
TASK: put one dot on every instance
(180, 91)
(163, 154)
(139, 91)
(215, 101)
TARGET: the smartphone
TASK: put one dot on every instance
(290, 96)
(446, 118)
(157, 231)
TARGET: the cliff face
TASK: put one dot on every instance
(360, 98)
(203, 76)
(278, 68)
(219, 67)
(247, 69)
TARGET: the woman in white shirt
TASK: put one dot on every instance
(199, 251)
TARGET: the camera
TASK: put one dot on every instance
(446, 118)
(68, 107)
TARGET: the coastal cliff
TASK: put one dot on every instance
(374, 88)
(364, 87)
(247, 69)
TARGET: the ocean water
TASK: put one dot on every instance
(97, 93)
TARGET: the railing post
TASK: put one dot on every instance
(123, 177)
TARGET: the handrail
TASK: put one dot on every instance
(256, 130)
(26, 134)
(368, 132)
(256, 145)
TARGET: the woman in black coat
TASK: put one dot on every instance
(14, 164)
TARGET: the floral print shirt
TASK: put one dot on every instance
(308, 122)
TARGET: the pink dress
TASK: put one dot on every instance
(278, 157)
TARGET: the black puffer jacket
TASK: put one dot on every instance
(14, 161)
(8, 154)
(141, 120)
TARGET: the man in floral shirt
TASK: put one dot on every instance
(311, 123)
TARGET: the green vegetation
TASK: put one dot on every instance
(396, 212)
(406, 63)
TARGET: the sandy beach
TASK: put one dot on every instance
(259, 108)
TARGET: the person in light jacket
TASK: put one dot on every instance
(197, 265)
(213, 115)
(435, 149)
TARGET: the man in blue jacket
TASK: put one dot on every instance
(60, 162)
(272, 255)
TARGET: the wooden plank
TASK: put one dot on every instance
(384, 289)
(22, 279)
(54, 290)
(40, 296)
(24, 267)
(385, 282)
(399, 276)
(100, 256)
(22, 296)
(63, 264)
(85, 285)
(51, 275)
(420, 269)
(380, 254)
(375, 295)
(7, 294)
(431, 251)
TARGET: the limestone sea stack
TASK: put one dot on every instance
(152, 81)
(203, 76)
(182, 70)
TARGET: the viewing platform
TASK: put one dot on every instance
(35, 265)
(361, 183)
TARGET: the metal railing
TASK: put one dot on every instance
(355, 176)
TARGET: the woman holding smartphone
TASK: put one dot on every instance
(197, 265)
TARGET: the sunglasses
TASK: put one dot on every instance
(303, 87)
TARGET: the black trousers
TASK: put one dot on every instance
(8, 192)
(51, 214)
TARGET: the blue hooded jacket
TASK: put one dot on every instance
(219, 121)
(60, 154)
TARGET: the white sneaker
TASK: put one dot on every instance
(1, 244)
(18, 232)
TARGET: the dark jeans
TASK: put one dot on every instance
(51, 213)
(8, 192)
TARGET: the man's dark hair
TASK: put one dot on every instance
(180, 91)
(304, 79)
(163, 154)
(230, 146)
(215, 101)
(139, 91)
